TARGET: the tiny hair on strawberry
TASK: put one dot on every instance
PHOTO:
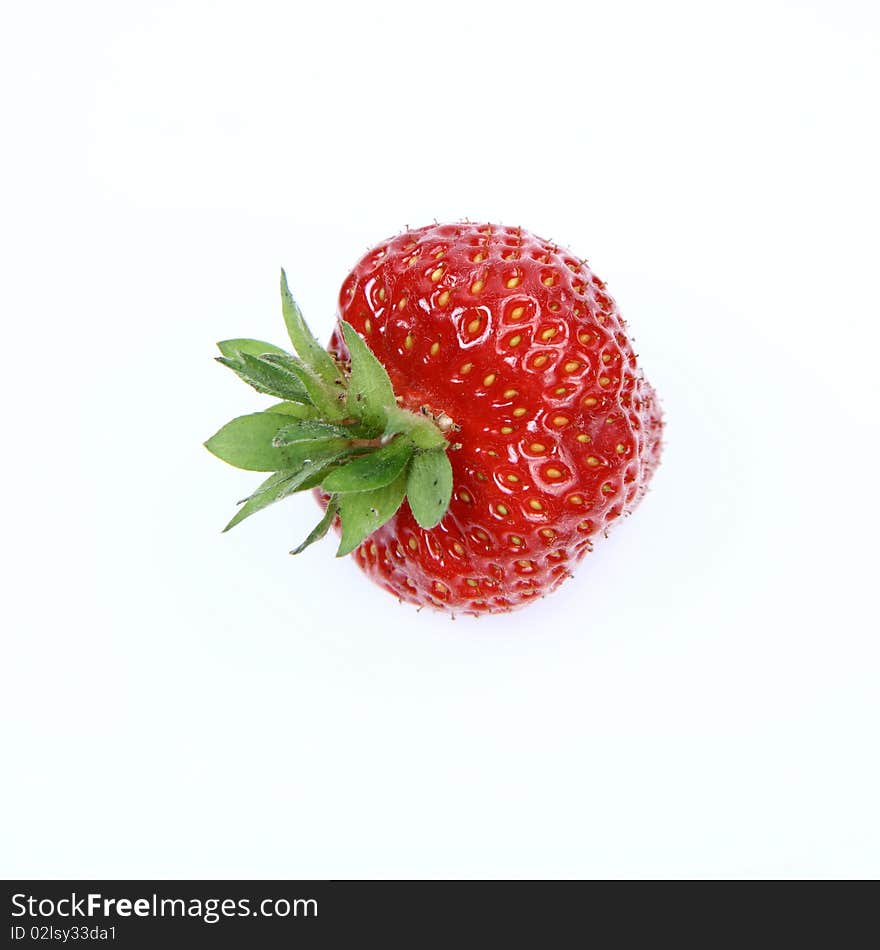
(477, 421)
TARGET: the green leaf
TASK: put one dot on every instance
(422, 430)
(279, 486)
(266, 376)
(310, 430)
(321, 528)
(309, 349)
(429, 487)
(370, 394)
(231, 348)
(375, 470)
(270, 491)
(317, 473)
(324, 397)
(313, 471)
(246, 442)
(294, 409)
(364, 512)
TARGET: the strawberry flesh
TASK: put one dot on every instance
(557, 432)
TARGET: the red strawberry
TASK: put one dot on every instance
(511, 349)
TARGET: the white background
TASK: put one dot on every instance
(700, 701)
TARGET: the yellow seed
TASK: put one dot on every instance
(473, 326)
(501, 509)
(516, 540)
(458, 548)
(554, 306)
(509, 393)
(560, 391)
(620, 448)
(443, 299)
(584, 337)
(560, 421)
(373, 549)
(471, 582)
(549, 333)
(413, 544)
(548, 533)
(408, 342)
(479, 257)
(440, 253)
(583, 437)
(515, 340)
(437, 274)
(553, 473)
(368, 325)
(535, 505)
(513, 478)
(401, 304)
(466, 368)
(465, 497)
(506, 430)
(607, 488)
(513, 282)
(481, 535)
(516, 314)
(493, 453)
(539, 361)
(604, 380)
(476, 286)
(549, 281)
(592, 461)
(488, 380)
(524, 564)
(537, 447)
(590, 401)
(576, 500)
(382, 293)
(435, 348)
(520, 411)
(606, 358)
(480, 476)
(439, 587)
(571, 366)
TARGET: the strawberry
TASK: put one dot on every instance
(478, 420)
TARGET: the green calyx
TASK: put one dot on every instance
(338, 428)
